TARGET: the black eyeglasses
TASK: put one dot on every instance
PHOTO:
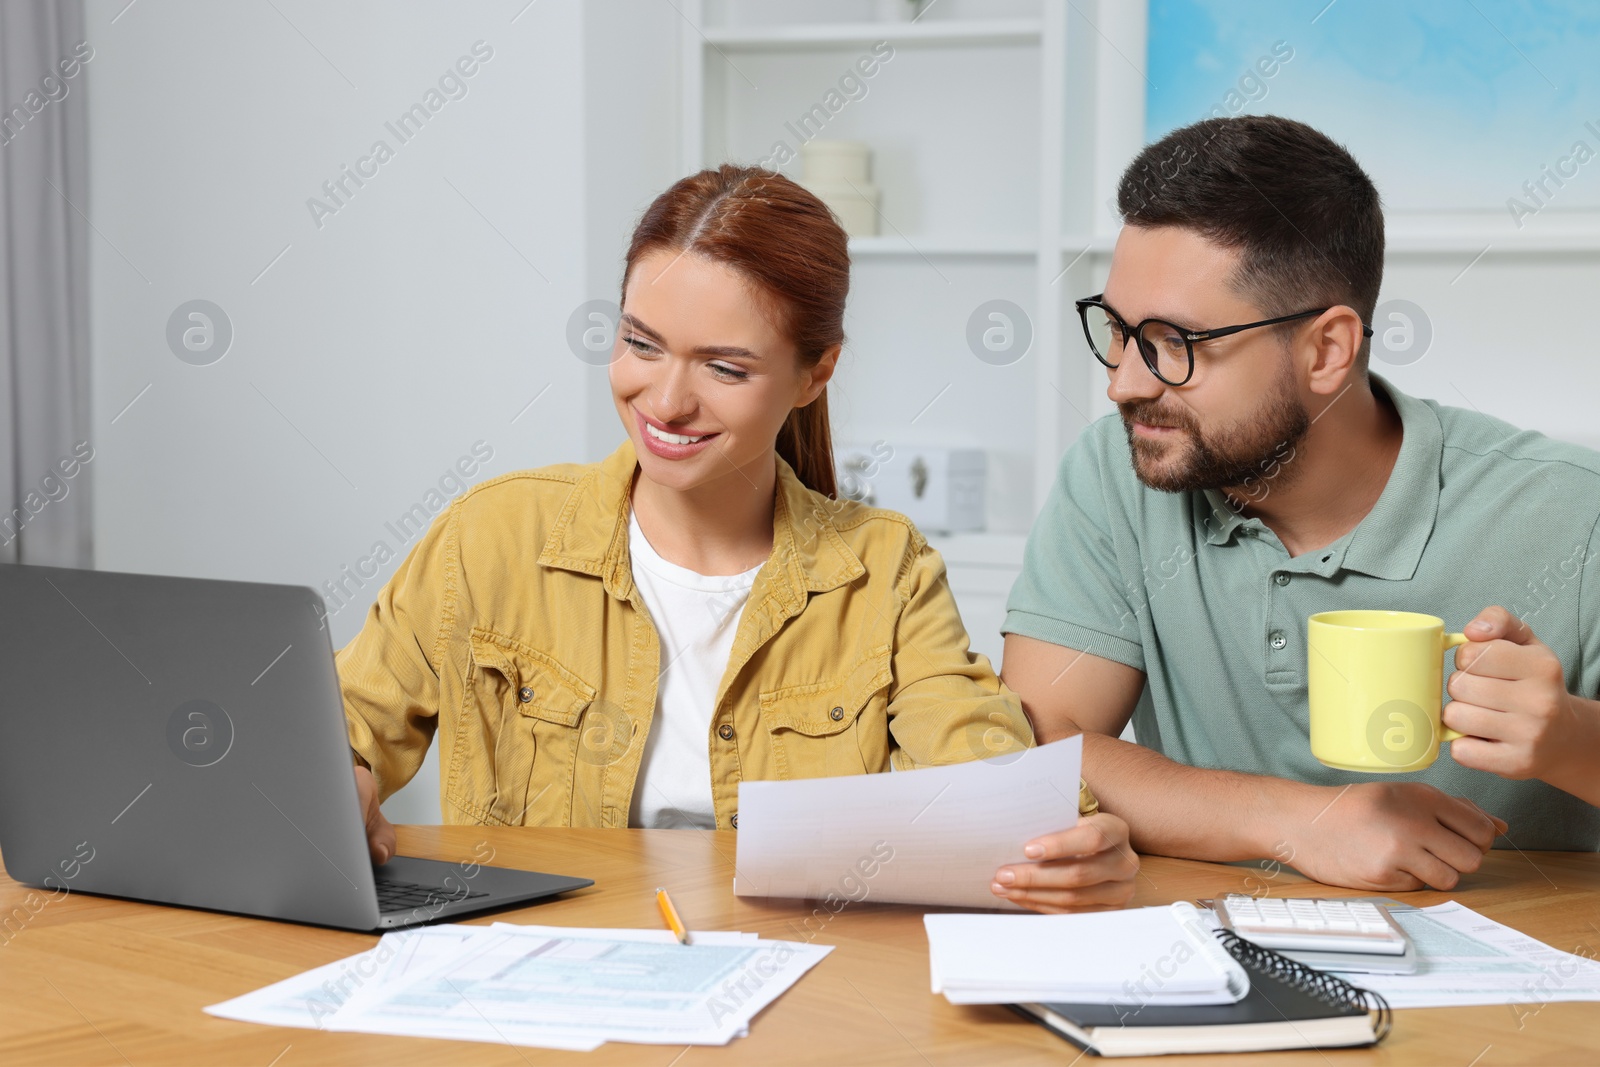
(1167, 348)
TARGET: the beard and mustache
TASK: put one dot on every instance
(1220, 458)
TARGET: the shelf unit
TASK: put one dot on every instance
(896, 245)
(1470, 240)
(1011, 183)
(714, 83)
(933, 33)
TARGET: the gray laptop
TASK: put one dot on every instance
(182, 741)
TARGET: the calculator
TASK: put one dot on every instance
(1323, 932)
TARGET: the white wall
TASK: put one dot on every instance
(631, 135)
(1496, 343)
(382, 345)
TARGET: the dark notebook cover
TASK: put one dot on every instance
(1281, 991)
(1270, 1000)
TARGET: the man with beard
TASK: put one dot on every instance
(1259, 474)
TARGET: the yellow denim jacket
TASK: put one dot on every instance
(515, 631)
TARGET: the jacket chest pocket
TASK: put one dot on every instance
(515, 751)
(825, 729)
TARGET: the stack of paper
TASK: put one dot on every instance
(1147, 956)
(551, 987)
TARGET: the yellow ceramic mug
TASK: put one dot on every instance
(1375, 680)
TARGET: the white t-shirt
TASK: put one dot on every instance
(696, 616)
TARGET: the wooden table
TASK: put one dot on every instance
(90, 980)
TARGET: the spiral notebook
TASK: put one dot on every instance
(1289, 1006)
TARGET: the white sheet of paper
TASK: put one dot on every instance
(628, 933)
(930, 836)
(1157, 955)
(1468, 958)
(312, 998)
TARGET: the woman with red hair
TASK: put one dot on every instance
(621, 643)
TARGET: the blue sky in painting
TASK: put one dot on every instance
(1450, 104)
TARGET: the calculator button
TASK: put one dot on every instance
(1305, 915)
(1308, 923)
(1338, 917)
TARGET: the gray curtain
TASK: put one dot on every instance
(46, 447)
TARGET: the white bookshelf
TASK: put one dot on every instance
(912, 34)
(993, 188)
(981, 245)
(974, 206)
(1472, 239)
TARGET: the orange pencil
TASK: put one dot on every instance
(670, 914)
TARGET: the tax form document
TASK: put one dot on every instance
(312, 999)
(354, 994)
(1468, 958)
(931, 836)
(572, 990)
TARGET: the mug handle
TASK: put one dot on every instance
(1445, 733)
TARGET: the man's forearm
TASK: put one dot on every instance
(1173, 809)
(1578, 772)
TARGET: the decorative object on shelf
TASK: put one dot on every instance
(898, 10)
(854, 473)
(837, 172)
(1013, 60)
(939, 489)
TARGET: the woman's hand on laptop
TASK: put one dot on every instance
(380, 831)
(1089, 867)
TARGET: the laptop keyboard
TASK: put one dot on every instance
(404, 896)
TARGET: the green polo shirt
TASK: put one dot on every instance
(1211, 607)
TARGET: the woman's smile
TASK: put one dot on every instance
(666, 443)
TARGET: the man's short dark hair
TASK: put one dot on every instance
(1304, 217)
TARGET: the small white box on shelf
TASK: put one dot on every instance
(838, 174)
(939, 489)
